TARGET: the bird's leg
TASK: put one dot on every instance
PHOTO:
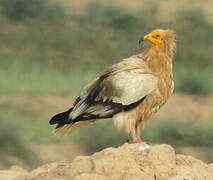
(134, 134)
(138, 133)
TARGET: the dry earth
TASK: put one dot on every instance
(128, 162)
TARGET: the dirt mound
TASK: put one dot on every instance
(129, 162)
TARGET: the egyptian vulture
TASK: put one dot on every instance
(129, 92)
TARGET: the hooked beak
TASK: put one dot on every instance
(145, 38)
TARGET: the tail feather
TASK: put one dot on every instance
(65, 125)
(69, 128)
(61, 119)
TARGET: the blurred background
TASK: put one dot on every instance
(50, 49)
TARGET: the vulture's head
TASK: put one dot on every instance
(161, 38)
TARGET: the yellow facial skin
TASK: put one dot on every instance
(155, 38)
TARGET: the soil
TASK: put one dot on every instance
(129, 161)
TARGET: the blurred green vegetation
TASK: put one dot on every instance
(50, 49)
(39, 81)
(12, 139)
(22, 10)
(195, 81)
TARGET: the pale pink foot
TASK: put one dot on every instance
(135, 133)
(138, 134)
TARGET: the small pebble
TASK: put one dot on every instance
(142, 148)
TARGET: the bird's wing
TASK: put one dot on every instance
(122, 87)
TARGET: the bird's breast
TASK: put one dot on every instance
(157, 98)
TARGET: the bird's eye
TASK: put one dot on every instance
(157, 35)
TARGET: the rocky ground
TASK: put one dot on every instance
(127, 162)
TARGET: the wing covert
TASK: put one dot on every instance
(127, 87)
(126, 83)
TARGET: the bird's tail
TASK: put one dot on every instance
(65, 125)
(61, 119)
(69, 128)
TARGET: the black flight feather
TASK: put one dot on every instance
(63, 118)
